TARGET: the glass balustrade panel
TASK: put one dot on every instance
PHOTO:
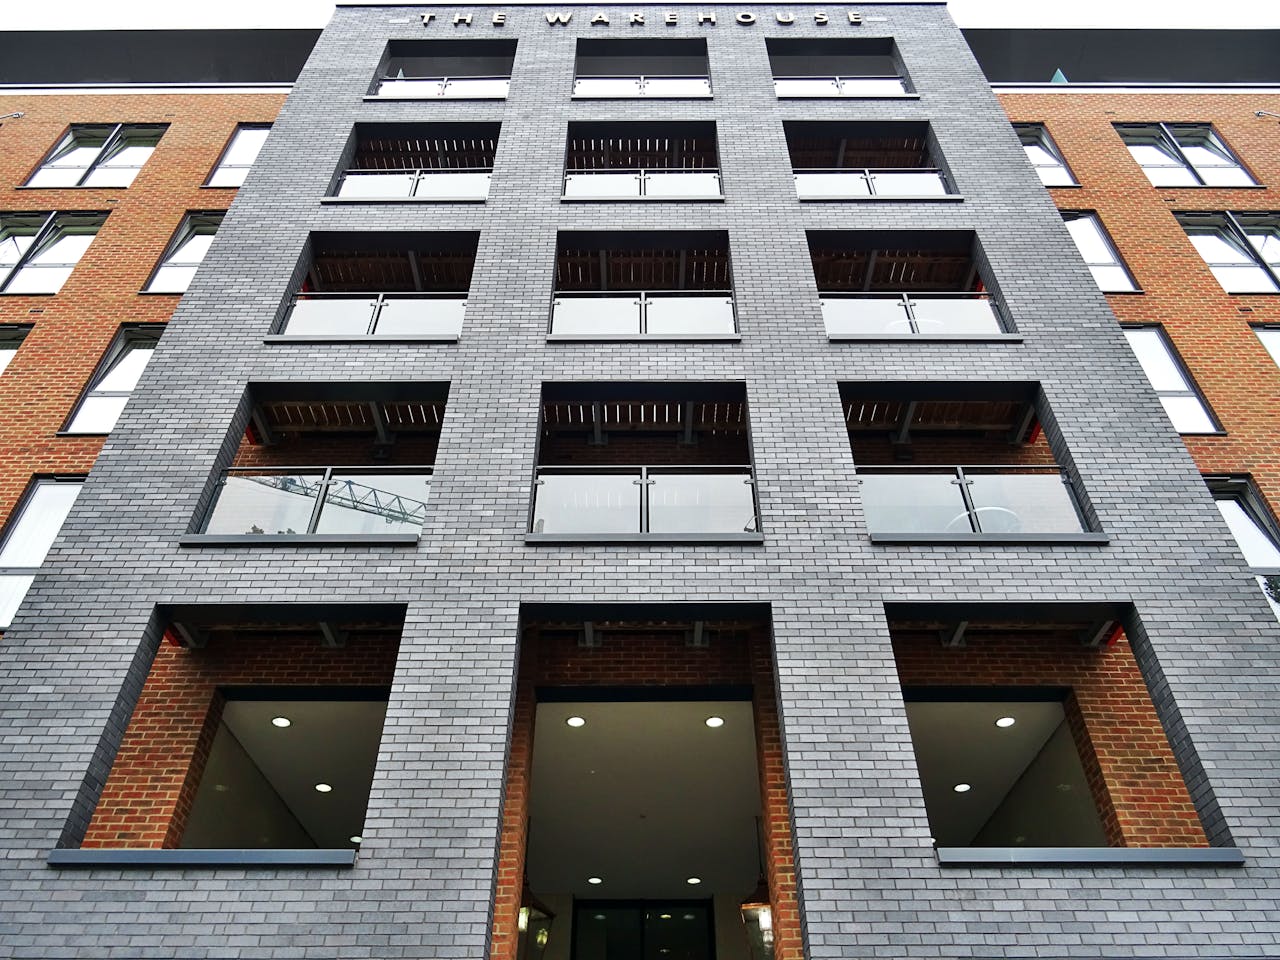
(587, 503)
(1023, 503)
(602, 185)
(872, 87)
(374, 502)
(682, 184)
(596, 316)
(269, 502)
(376, 183)
(905, 183)
(330, 316)
(606, 87)
(864, 316)
(701, 503)
(477, 88)
(831, 185)
(806, 87)
(955, 315)
(444, 185)
(410, 87)
(677, 87)
(917, 503)
(689, 315)
(406, 316)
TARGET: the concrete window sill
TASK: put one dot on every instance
(1095, 856)
(296, 539)
(172, 859)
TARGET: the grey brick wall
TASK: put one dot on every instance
(869, 881)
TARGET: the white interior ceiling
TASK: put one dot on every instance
(258, 788)
(644, 796)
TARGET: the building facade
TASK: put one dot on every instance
(636, 482)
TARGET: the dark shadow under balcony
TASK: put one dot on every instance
(381, 286)
(436, 162)
(329, 463)
(653, 69)
(852, 67)
(959, 462)
(862, 160)
(644, 461)
(896, 284)
(446, 69)
(642, 161)
(673, 285)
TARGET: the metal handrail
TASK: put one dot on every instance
(416, 170)
(330, 490)
(1011, 468)
(642, 79)
(446, 79)
(607, 467)
(641, 170)
(885, 294)
(837, 77)
(643, 293)
(865, 170)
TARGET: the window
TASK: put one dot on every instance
(1183, 155)
(236, 160)
(846, 160)
(1241, 249)
(11, 336)
(629, 161)
(862, 67)
(1254, 530)
(1044, 156)
(1270, 337)
(114, 382)
(30, 534)
(455, 69)
(620, 69)
(1099, 253)
(98, 156)
(1185, 407)
(439, 162)
(38, 251)
(185, 254)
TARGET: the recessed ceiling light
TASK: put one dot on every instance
(694, 881)
(664, 916)
(576, 722)
(689, 916)
(594, 880)
(599, 916)
(323, 788)
(714, 722)
(1005, 722)
(281, 722)
(962, 788)
(356, 839)
(221, 787)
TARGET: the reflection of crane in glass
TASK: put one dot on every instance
(392, 507)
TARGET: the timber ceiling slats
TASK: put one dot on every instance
(425, 153)
(357, 271)
(858, 152)
(336, 416)
(950, 415)
(642, 270)
(898, 270)
(629, 153)
(648, 415)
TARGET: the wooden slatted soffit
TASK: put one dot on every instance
(647, 416)
(631, 153)
(642, 270)
(897, 270)
(352, 416)
(389, 271)
(936, 416)
(836, 153)
(425, 153)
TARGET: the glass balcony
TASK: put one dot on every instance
(637, 313)
(839, 87)
(452, 184)
(635, 500)
(850, 183)
(878, 314)
(351, 501)
(619, 184)
(968, 500)
(626, 87)
(457, 88)
(376, 314)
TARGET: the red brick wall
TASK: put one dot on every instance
(649, 659)
(73, 329)
(152, 783)
(1209, 327)
(1135, 779)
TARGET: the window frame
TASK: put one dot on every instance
(1240, 489)
(187, 229)
(20, 512)
(49, 229)
(11, 333)
(1192, 388)
(1164, 136)
(1105, 236)
(1273, 333)
(1230, 225)
(126, 339)
(222, 165)
(117, 134)
(1046, 142)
